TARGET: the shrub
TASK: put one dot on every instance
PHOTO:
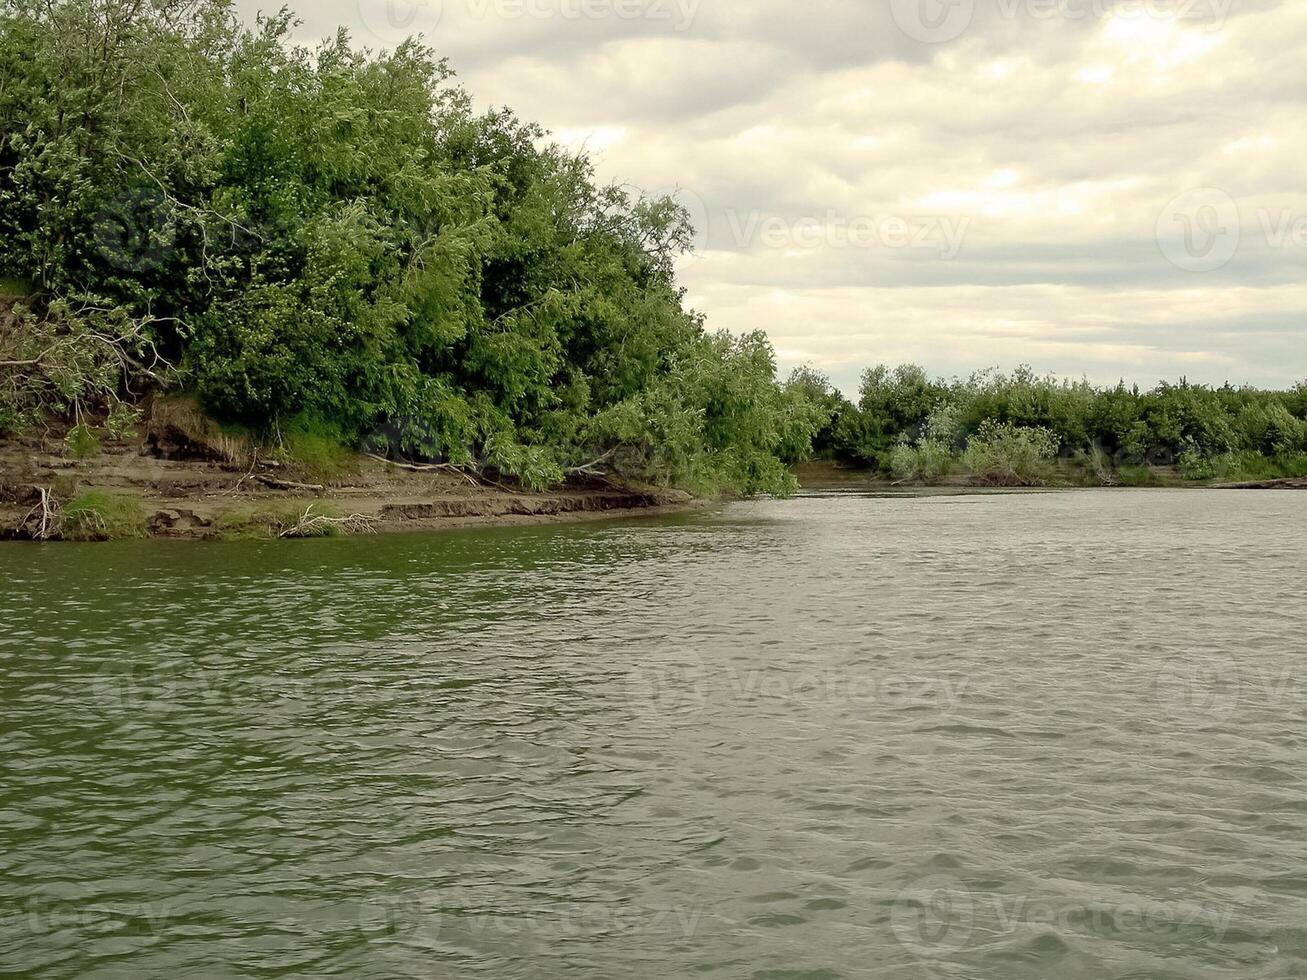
(81, 442)
(930, 461)
(332, 233)
(1004, 454)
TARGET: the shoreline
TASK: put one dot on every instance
(831, 476)
(130, 492)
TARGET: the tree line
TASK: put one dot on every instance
(1024, 429)
(331, 240)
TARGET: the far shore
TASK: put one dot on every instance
(832, 475)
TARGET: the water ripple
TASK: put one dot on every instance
(1002, 736)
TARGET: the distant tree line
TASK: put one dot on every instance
(1023, 429)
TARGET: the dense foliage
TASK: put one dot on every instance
(1011, 429)
(332, 239)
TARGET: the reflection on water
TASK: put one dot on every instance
(1054, 735)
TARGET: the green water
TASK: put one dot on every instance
(1052, 735)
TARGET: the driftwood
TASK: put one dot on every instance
(275, 484)
(311, 525)
(241, 482)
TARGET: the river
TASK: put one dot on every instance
(1054, 735)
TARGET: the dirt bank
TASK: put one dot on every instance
(129, 489)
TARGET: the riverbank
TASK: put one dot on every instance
(158, 486)
(830, 475)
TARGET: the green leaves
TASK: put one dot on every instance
(332, 234)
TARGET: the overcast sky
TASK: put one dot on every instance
(1098, 188)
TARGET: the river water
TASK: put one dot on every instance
(1040, 735)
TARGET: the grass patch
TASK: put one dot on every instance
(11, 288)
(99, 516)
(318, 449)
(268, 519)
(1138, 476)
(1251, 467)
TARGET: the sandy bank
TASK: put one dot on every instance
(130, 490)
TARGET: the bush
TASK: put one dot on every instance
(333, 234)
(1108, 431)
(930, 461)
(1004, 454)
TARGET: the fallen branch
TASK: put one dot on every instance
(588, 469)
(275, 484)
(241, 482)
(426, 468)
(311, 525)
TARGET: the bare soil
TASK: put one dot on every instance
(195, 495)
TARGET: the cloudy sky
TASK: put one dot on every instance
(1107, 188)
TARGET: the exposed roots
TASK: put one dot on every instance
(44, 521)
